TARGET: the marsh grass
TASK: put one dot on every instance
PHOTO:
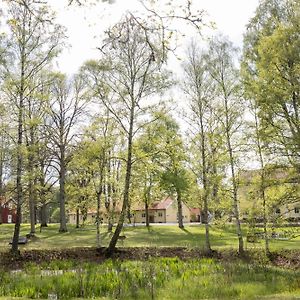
(164, 278)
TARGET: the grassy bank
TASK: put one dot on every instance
(157, 236)
(164, 278)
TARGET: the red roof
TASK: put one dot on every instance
(163, 204)
(4, 202)
(195, 211)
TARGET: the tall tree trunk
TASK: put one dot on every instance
(62, 201)
(129, 214)
(32, 181)
(236, 206)
(205, 183)
(19, 200)
(1, 170)
(77, 217)
(31, 197)
(19, 188)
(179, 210)
(1, 183)
(42, 195)
(205, 204)
(110, 222)
(115, 192)
(114, 239)
(31, 207)
(234, 182)
(266, 237)
(147, 213)
(108, 192)
(44, 215)
(262, 186)
(215, 189)
(98, 220)
(148, 199)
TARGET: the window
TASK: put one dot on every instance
(160, 214)
(143, 215)
(296, 210)
(277, 211)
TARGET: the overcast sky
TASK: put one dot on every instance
(86, 24)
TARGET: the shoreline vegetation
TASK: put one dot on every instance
(144, 274)
(285, 258)
(156, 271)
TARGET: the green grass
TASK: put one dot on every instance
(156, 236)
(164, 278)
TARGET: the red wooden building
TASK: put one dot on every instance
(7, 211)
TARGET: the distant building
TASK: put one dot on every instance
(7, 211)
(195, 214)
(276, 178)
(165, 211)
(290, 211)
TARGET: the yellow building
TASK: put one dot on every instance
(290, 211)
(279, 180)
(164, 211)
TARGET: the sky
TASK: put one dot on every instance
(85, 25)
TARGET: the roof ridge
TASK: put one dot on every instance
(172, 200)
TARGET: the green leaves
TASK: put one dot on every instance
(271, 72)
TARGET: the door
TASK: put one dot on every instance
(151, 219)
(9, 218)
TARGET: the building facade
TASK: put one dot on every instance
(164, 211)
(7, 211)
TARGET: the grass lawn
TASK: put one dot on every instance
(157, 236)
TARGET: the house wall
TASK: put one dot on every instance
(168, 215)
(290, 210)
(159, 216)
(139, 216)
(5, 213)
(195, 217)
(171, 213)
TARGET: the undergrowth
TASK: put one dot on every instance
(160, 278)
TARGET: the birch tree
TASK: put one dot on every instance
(34, 40)
(271, 64)
(126, 77)
(174, 177)
(67, 103)
(225, 74)
(200, 90)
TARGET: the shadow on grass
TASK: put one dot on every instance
(186, 231)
